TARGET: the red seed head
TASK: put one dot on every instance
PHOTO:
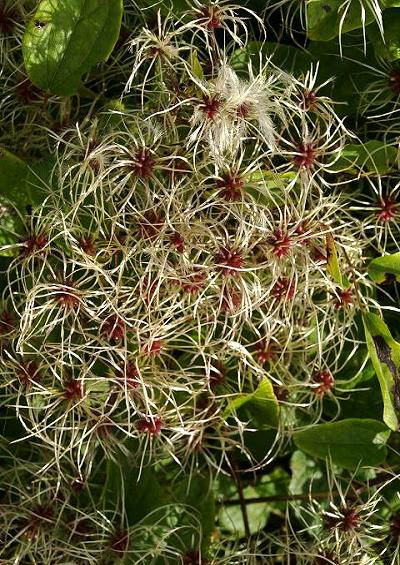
(73, 390)
(266, 350)
(28, 372)
(231, 187)
(68, 297)
(394, 81)
(87, 245)
(280, 242)
(129, 374)
(33, 243)
(41, 516)
(306, 156)
(178, 242)
(325, 382)
(150, 426)
(143, 163)
(119, 541)
(194, 558)
(231, 299)
(347, 520)
(387, 209)
(210, 17)
(304, 232)
(284, 289)
(114, 328)
(229, 261)
(395, 527)
(343, 298)
(150, 224)
(210, 106)
(243, 110)
(153, 348)
(194, 282)
(308, 100)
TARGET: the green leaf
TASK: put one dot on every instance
(348, 442)
(141, 496)
(385, 268)
(230, 517)
(341, 60)
(390, 48)
(195, 64)
(385, 356)
(326, 19)
(284, 56)
(13, 179)
(197, 493)
(65, 38)
(303, 470)
(374, 156)
(260, 407)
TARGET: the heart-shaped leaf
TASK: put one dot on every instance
(260, 407)
(65, 38)
(348, 443)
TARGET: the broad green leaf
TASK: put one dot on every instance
(365, 403)
(260, 407)
(340, 60)
(374, 156)
(230, 516)
(385, 268)
(332, 265)
(64, 39)
(140, 496)
(348, 442)
(390, 48)
(257, 444)
(385, 355)
(283, 56)
(14, 174)
(326, 19)
(303, 470)
(197, 493)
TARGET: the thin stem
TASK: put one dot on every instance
(279, 498)
(242, 501)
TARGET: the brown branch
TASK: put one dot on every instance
(241, 501)
(279, 498)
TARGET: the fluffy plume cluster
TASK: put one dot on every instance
(184, 252)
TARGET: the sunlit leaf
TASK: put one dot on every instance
(384, 269)
(260, 407)
(348, 443)
(65, 38)
(385, 355)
